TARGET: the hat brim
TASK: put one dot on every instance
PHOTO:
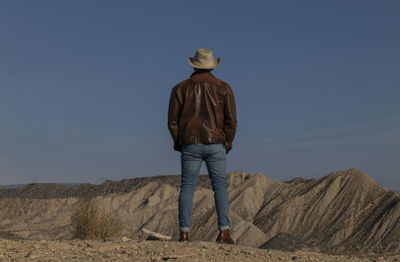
(200, 66)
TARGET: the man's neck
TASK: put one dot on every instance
(201, 71)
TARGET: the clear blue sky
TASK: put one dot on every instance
(85, 85)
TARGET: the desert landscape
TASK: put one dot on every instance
(104, 104)
(343, 216)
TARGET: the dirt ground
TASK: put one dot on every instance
(124, 249)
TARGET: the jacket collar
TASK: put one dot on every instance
(201, 72)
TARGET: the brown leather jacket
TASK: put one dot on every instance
(202, 110)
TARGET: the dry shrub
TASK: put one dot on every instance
(89, 222)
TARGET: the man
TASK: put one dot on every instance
(202, 123)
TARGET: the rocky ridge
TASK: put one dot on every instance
(343, 212)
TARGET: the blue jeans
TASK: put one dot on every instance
(191, 158)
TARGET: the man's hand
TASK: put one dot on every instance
(177, 147)
(228, 147)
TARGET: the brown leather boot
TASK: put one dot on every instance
(224, 236)
(184, 237)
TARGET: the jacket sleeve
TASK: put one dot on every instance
(173, 118)
(230, 122)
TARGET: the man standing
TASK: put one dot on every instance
(202, 123)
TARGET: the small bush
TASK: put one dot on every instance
(89, 222)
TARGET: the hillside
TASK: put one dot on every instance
(343, 212)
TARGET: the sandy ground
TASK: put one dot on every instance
(124, 249)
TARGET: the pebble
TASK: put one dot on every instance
(125, 239)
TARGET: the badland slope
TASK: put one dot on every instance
(343, 212)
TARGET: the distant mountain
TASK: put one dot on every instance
(21, 185)
(343, 212)
(12, 186)
(395, 190)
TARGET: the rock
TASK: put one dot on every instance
(88, 245)
(155, 236)
(125, 239)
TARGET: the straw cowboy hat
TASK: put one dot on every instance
(203, 59)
